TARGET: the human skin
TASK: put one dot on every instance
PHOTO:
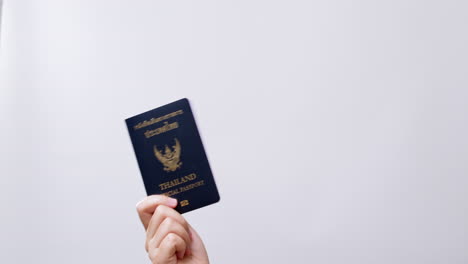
(169, 237)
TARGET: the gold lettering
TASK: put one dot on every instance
(171, 193)
(166, 127)
(185, 188)
(156, 120)
(191, 186)
(178, 181)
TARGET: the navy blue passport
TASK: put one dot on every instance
(171, 156)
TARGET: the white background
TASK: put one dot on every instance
(336, 130)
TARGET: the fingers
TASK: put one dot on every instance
(168, 233)
(170, 226)
(161, 213)
(172, 247)
(147, 206)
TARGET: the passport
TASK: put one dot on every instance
(171, 157)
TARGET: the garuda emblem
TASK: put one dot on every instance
(170, 158)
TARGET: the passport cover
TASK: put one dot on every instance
(171, 156)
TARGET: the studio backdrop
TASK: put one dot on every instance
(336, 130)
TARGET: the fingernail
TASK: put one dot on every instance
(172, 202)
(139, 203)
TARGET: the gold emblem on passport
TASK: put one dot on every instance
(184, 203)
(170, 158)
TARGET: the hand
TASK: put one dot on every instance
(169, 238)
